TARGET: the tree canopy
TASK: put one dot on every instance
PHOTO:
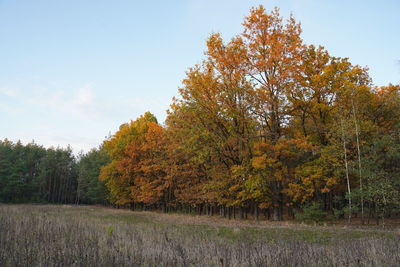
(265, 123)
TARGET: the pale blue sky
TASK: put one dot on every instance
(73, 70)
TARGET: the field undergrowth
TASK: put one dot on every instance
(50, 235)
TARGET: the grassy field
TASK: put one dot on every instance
(47, 235)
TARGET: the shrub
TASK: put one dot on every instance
(312, 213)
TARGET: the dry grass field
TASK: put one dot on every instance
(50, 235)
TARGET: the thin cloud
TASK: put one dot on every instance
(80, 117)
(8, 92)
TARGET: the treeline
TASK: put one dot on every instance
(32, 173)
(266, 125)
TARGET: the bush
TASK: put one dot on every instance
(312, 213)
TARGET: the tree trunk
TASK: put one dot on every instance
(347, 168)
(267, 213)
(359, 161)
(277, 213)
(256, 212)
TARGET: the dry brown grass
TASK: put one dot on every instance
(176, 218)
(33, 235)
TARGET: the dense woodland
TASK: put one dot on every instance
(266, 125)
(32, 173)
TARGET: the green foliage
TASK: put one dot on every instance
(382, 171)
(110, 230)
(264, 122)
(31, 173)
(311, 213)
(90, 189)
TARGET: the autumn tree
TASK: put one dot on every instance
(264, 124)
(136, 174)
